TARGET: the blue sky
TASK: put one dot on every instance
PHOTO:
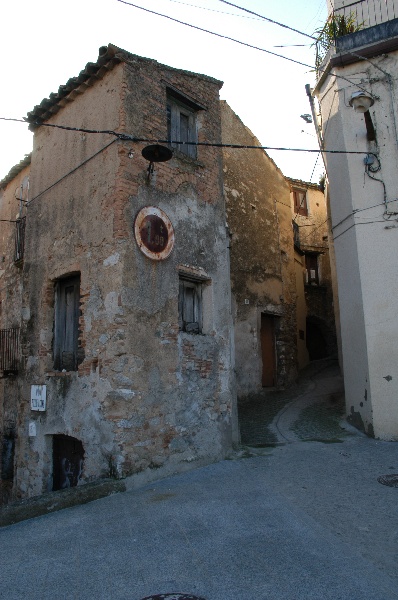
(44, 43)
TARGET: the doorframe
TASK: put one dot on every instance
(277, 313)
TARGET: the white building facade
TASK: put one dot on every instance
(362, 67)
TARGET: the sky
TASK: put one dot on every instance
(44, 43)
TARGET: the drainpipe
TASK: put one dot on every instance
(315, 121)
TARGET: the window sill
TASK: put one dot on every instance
(186, 159)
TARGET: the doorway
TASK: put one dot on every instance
(68, 458)
(268, 354)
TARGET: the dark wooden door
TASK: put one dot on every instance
(267, 334)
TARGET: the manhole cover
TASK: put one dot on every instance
(173, 596)
(390, 480)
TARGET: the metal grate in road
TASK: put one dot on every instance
(173, 596)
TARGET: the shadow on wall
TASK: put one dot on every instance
(319, 339)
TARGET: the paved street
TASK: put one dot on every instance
(299, 514)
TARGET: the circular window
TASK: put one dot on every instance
(154, 233)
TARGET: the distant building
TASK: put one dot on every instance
(316, 337)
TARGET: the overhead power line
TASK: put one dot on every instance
(220, 35)
(214, 10)
(231, 39)
(131, 138)
(268, 19)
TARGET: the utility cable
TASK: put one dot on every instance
(360, 223)
(131, 138)
(220, 12)
(70, 172)
(315, 228)
(267, 19)
(225, 37)
(297, 62)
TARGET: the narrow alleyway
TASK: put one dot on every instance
(311, 410)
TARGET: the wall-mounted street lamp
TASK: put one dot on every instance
(156, 153)
(361, 101)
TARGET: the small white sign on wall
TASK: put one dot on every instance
(38, 397)
(32, 429)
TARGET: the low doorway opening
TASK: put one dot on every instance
(68, 460)
(317, 340)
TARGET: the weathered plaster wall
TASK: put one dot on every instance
(10, 317)
(365, 242)
(146, 395)
(262, 256)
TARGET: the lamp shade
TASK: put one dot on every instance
(361, 101)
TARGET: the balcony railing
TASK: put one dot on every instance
(350, 18)
(369, 12)
(19, 239)
(9, 350)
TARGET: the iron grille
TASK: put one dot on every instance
(19, 239)
(9, 350)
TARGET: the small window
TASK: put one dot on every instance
(190, 306)
(300, 202)
(66, 324)
(312, 270)
(181, 125)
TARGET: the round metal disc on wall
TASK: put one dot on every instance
(154, 233)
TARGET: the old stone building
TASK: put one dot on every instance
(262, 262)
(316, 330)
(120, 297)
(144, 286)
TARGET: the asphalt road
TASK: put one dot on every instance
(293, 521)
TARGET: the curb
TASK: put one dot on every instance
(53, 501)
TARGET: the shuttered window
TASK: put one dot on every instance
(181, 126)
(190, 306)
(66, 326)
(300, 202)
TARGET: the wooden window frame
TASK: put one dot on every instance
(300, 202)
(182, 126)
(190, 305)
(66, 323)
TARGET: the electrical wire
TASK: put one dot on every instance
(225, 37)
(267, 19)
(221, 12)
(131, 138)
(358, 223)
(70, 172)
(315, 228)
(297, 62)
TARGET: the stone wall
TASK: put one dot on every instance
(145, 395)
(262, 256)
(13, 195)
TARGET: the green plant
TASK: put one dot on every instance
(335, 26)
